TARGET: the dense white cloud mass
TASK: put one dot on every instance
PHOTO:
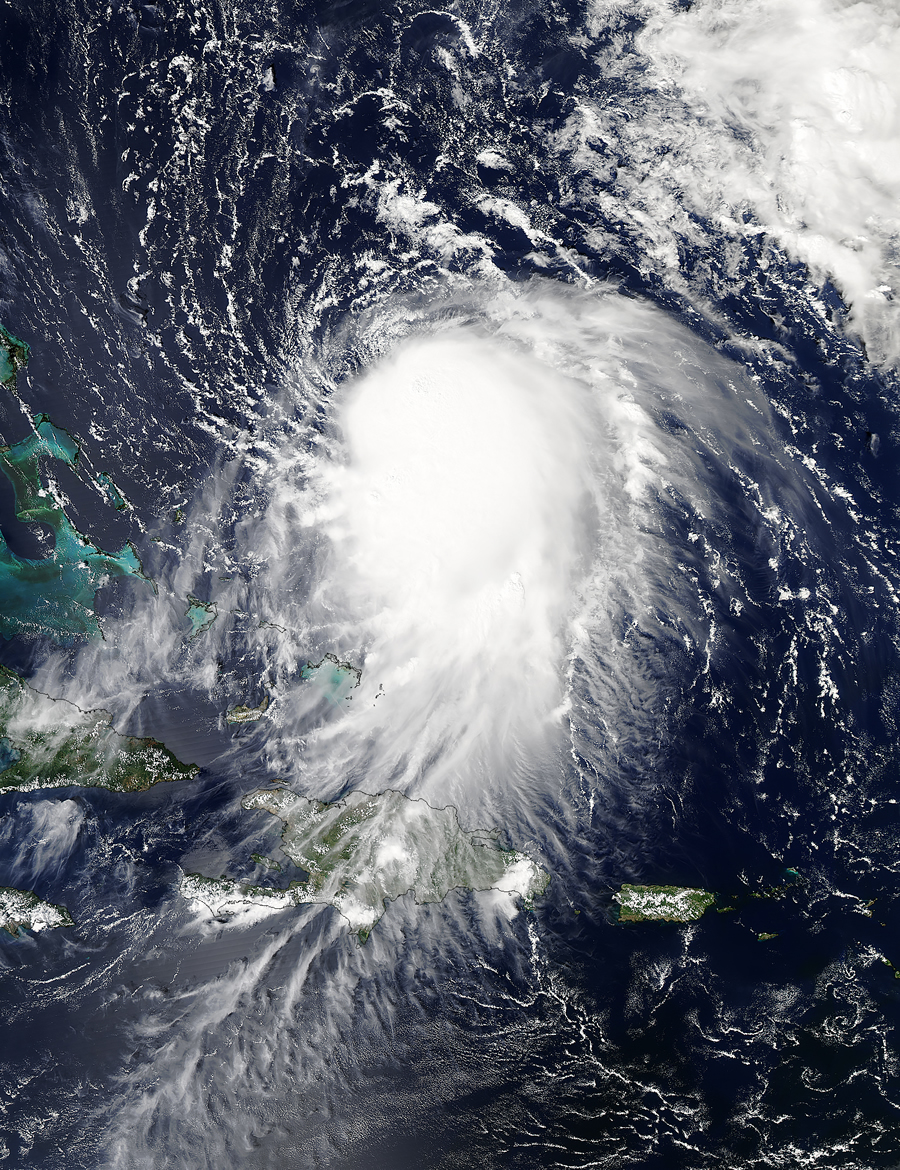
(762, 118)
(477, 521)
(805, 103)
(483, 500)
(508, 473)
(479, 510)
(455, 524)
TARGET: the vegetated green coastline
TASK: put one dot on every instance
(364, 851)
(22, 910)
(683, 904)
(53, 743)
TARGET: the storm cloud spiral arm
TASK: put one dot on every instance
(449, 584)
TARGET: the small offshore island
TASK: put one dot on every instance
(244, 714)
(363, 851)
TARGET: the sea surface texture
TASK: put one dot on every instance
(450, 585)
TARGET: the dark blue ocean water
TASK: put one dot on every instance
(197, 203)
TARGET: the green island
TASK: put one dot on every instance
(22, 910)
(265, 862)
(52, 743)
(201, 614)
(364, 850)
(685, 904)
(247, 714)
(335, 679)
(56, 594)
(14, 355)
(662, 903)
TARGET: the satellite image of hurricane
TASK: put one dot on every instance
(450, 585)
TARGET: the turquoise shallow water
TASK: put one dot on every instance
(13, 355)
(8, 754)
(200, 615)
(54, 595)
(215, 217)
